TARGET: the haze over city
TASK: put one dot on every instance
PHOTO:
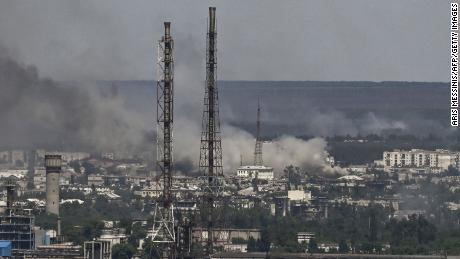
(228, 129)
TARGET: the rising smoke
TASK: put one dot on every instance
(93, 43)
(41, 113)
(236, 143)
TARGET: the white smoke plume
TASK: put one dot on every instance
(284, 151)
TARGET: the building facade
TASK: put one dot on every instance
(438, 159)
(255, 171)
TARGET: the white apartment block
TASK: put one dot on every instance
(439, 159)
(253, 171)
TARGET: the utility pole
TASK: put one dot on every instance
(164, 237)
(211, 148)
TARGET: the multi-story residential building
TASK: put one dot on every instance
(438, 159)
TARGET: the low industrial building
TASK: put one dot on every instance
(225, 237)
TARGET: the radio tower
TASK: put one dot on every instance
(163, 227)
(258, 149)
(211, 148)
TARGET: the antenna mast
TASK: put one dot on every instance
(164, 236)
(211, 148)
(258, 149)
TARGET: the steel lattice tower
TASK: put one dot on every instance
(163, 227)
(258, 148)
(211, 147)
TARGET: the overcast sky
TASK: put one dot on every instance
(257, 40)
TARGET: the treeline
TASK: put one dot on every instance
(355, 230)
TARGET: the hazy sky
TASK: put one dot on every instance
(257, 40)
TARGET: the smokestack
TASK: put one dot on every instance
(167, 29)
(53, 169)
(212, 19)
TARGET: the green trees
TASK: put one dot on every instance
(313, 246)
(252, 245)
(452, 171)
(87, 230)
(149, 251)
(343, 247)
(123, 251)
(355, 229)
(46, 221)
(414, 235)
(137, 233)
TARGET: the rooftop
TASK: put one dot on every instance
(254, 167)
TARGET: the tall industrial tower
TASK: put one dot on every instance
(53, 170)
(163, 227)
(258, 149)
(211, 148)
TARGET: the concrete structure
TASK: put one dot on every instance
(114, 235)
(439, 159)
(19, 174)
(350, 178)
(153, 192)
(73, 156)
(299, 195)
(305, 237)
(53, 169)
(96, 180)
(362, 169)
(40, 179)
(97, 250)
(236, 248)
(253, 171)
(224, 236)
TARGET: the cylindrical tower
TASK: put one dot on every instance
(53, 169)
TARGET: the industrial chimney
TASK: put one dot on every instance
(53, 169)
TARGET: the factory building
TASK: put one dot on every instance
(18, 228)
(440, 159)
(255, 171)
(16, 225)
(224, 237)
